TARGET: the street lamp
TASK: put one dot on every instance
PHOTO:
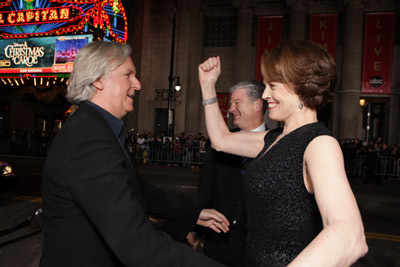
(171, 79)
(364, 103)
(368, 130)
(170, 129)
(178, 84)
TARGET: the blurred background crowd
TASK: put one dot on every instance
(183, 149)
(369, 161)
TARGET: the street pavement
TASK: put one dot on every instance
(379, 205)
(380, 209)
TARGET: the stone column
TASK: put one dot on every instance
(243, 63)
(135, 15)
(351, 69)
(394, 111)
(297, 26)
(194, 118)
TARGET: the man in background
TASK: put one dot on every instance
(220, 184)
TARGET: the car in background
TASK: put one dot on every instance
(7, 176)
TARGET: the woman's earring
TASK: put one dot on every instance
(301, 106)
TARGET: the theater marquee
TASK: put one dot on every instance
(40, 55)
(40, 18)
(40, 38)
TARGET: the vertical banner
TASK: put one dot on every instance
(269, 36)
(223, 103)
(323, 28)
(378, 52)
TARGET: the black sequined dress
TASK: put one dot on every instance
(283, 218)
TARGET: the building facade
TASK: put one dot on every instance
(230, 29)
(363, 36)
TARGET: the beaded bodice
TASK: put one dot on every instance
(283, 217)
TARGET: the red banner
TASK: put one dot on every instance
(323, 28)
(269, 36)
(378, 52)
(223, 103)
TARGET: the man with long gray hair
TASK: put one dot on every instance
(95, 204)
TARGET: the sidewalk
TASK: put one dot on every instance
(379, 206)
(380, 210)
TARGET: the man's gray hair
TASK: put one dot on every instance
(254, 89)
(92, 62)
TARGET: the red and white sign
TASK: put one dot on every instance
(323, 28)
(269, 36)
(378, 52)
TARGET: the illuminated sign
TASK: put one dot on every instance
(21, 54)
(39, 55)
(40, 18)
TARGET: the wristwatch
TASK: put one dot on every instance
(209, 101)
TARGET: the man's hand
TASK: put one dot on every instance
(194, 240)
(214, 220)
(209, 72)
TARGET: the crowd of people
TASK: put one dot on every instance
(35, 143)
(367, 161)
(371, 161)
(183, 149)
(144, 147)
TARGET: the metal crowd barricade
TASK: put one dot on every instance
(176, 155)
(397, 177)
(359, 165)
(388, 167)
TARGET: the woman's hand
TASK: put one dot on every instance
(214, 220)
(209, 72)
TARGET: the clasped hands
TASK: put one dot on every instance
(208, 218)
(214, 220)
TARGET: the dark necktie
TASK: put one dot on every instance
(121, 137)
(245, 161)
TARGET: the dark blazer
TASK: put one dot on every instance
(95, 204)
(220, 187)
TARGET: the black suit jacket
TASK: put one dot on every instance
(220, 187)
(95, 204)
